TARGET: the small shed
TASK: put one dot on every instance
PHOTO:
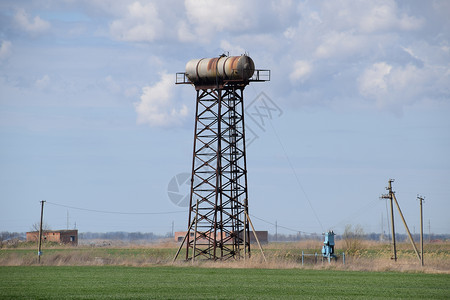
(67, 237)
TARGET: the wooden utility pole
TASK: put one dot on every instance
(421, 199)
(276, 231)
(40, 232)
(429, 230)
(406, 226)
(172, 229)
(391, 198)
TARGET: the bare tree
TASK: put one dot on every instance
(35, 226)
(353, 238)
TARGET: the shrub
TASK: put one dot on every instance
(353, 243)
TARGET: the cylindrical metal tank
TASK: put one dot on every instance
(209, 70)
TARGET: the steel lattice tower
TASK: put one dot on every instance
(218, 226)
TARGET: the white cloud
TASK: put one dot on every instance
(340, 43)
(184, 32)
(209, 17)
(157, 107)
(35, 26)
(111, 84)
(395, 87)
(380, 16)
(289, 33)
(140, 24)
(374, 82)
(5, 49)
(329, 49)
(115, 86)
(226, 46)
(368, 16)
(301, 70)
(42, 83)
(131, 92)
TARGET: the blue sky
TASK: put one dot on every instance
(90, 116)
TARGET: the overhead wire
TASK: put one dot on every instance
(357, 212)
(277, 225)
(370, 204)
(115, 212)
(296, 176)
(163, 213)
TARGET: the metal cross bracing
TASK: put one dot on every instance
(218, 225)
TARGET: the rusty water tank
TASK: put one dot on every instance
(209, 70)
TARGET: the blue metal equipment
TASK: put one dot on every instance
(328, 245)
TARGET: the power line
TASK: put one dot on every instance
(360, 211)
(116, 212)
(273, 224)
(162, 213)
(295, 175)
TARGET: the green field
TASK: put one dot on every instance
(120, 282)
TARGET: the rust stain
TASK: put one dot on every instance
(212, 64)
(234, 62)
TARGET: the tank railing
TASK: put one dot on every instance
(260, 75)
(182, 78)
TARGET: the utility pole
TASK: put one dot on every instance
(391, 198)
(406, 226)
(172, 229)
(40, 232)
(276, 231)
(421, 199)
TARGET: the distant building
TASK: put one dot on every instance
(263, 236)
(67, 237)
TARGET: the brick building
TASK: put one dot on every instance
(68, 237)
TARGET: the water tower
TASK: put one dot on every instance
(218, 224)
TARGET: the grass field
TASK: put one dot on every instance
(121, 282)
(145, 271)
(372, 256)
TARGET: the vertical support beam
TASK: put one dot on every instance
(40, 232)
(276, 231)
(394, 248)
(194, 248)
(172, 229)
(190, 221)
(217, 219)
(389, 196)
(421, 199)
